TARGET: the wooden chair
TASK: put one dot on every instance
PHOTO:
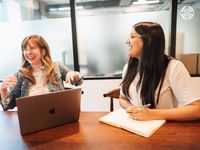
(112, 94)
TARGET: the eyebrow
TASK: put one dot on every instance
(135, 34)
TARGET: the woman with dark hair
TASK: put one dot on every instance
(156, 86)
(38, 74)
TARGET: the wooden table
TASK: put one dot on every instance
(89, 133)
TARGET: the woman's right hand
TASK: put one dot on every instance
(9, 82)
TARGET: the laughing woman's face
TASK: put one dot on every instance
(33, 54)
(135, 44)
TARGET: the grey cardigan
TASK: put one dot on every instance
(23, 84)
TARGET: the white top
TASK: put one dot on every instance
(177, 89)
(40, 87)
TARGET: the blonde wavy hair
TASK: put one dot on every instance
(26, 69)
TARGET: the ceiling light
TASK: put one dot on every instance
(55, 9)
(63, 8)
(143, 2)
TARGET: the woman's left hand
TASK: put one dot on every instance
(73, 76)
(142, 113)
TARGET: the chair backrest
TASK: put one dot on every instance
(114, 93)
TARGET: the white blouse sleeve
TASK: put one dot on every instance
(181, 84)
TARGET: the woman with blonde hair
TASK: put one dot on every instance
(38, 74)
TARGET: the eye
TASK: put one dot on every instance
(33, 48)
(132, 36)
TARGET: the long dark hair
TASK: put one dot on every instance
(152, 64)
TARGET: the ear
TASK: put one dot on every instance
(43, 52)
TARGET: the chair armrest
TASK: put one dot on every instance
(113, 93)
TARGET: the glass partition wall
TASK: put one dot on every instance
(188, 35)
(20, 18)
(102, 27)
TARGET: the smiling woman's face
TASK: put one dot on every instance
(32, 54)
(135, 44)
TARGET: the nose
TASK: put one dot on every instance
(127, 41)
(28, 50)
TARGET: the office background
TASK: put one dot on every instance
(90, 35)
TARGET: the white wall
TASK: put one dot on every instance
(93, 100)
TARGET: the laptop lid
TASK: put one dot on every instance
(44, 111)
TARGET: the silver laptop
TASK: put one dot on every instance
(41, 112)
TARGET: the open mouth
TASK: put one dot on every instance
(130, 47)
(30, 58)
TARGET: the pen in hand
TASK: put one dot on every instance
(144, 106)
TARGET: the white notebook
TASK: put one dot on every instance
(121, 119)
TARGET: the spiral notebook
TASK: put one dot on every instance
(121, 119)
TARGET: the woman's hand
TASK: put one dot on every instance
(73, 77)
(188, 112)
(141, 113)
(9, 82)
(6, 86)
